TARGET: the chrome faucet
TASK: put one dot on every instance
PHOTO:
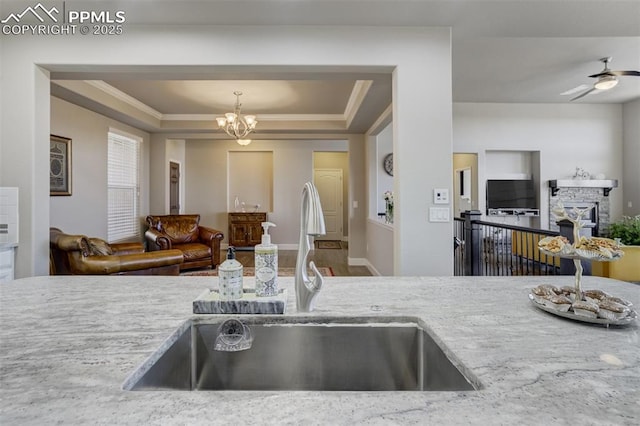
(311, 223)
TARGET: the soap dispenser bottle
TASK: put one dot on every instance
(266, 261)
(230, 274)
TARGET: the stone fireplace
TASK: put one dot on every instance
(583, 193)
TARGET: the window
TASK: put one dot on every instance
(123, 187)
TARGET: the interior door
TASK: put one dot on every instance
(328, 182)
(174, 188)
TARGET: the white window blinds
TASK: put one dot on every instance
(123, 187)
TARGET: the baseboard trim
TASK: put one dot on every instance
(361, 261)
(287, 246)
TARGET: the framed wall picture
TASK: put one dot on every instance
(59, 165)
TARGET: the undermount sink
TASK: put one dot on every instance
(304, 353)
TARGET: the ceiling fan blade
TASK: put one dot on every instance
(616, 73)
(602, 74)
(575, 90)
(583, 94)
(632, 73)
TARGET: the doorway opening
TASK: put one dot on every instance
(331, 177)
(174, 187)
(465, 183)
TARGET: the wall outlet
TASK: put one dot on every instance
(441, 196)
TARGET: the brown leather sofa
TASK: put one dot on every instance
(199, 245)
(80, 255)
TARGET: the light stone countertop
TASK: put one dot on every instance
(68, 343)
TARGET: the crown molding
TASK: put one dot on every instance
(218, 136)
(120, 95)
(381, 122)
(360, 90)
(261, 117)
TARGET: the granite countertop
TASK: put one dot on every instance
(68, 344)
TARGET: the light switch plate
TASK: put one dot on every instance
(439, 214)
(441, 196)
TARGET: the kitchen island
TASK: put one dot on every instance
(69, 342)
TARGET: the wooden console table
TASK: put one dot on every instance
(245, 229)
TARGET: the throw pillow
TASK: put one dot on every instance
(99, 247)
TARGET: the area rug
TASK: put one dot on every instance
(328, 244)
(249, 271)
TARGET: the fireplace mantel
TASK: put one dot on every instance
(606, 184)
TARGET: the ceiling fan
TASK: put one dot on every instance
(607, 79)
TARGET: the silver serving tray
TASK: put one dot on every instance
(574, 255)
(569, 314)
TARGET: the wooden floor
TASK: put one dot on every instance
(336, 259)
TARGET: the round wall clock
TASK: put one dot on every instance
(387, 163)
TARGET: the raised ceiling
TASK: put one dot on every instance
(513, 51)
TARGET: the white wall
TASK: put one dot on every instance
(250, 180)
(567, 136)
(379, 248)
(408, 51)
(631, 150)
(158, 175)
(357, 195)
(508, 164)
(85, 211)
(422, 99)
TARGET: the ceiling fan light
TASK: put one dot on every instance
(607, 82)
(243, 142)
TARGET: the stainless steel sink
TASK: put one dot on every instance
(304, 353)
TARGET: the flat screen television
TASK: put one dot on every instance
(511, 194)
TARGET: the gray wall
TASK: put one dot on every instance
(206, 181)
(631, 152)
(384, 146)
(85, 211)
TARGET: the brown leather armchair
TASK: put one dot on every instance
(199, 245)
(80, 255)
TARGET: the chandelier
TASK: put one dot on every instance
(237, 126)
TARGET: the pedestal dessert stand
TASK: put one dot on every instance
(577, 256)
